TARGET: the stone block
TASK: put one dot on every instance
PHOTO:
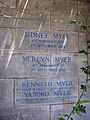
(25, 113)
(11, 3)
(46, 41)
(6, 38)
(50, 90)
(66, 6)
(48, 5)
(36, 5)
(83, 7)
(6, 92)
(40, 64)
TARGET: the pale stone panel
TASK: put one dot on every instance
(46, 41)
(52, 91)
(40, 64)
(6, 92)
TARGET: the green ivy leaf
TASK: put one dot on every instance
(79, 22)
(88, 41)
(89, 46)
(82, 108)
(83, 69)
(71, 118)
(83, 51)
(84, 101)
(85, 62)
(61, 118)
(88, 86)
(83, 87)
(84, 27)
(79, 109)
(73, 21)
(88, 67)
(65, 115)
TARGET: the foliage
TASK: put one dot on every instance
(79, 108)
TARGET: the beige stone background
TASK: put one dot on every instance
(46, 16)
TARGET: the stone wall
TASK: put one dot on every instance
(40, 65)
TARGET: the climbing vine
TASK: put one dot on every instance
(80, 108)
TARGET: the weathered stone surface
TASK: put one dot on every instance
(6, 92)
(83, 7)
(32, 24)
(66, 6)
(30, 64)
(7, 18)
(23, 20)
(51, 63)
(82, 41)
(6, 22)
(60, 21)
(25, 113)
(40, 64)
(36, 5)
(69, 65)
(48, 5)
(82, 81)
(6, 38)
(11, 3)
(88, 22)
(47, 41)
(58, 110)
(54, 90)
